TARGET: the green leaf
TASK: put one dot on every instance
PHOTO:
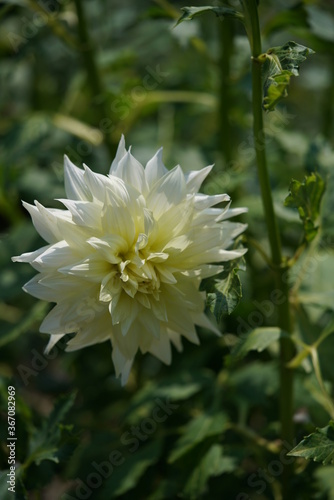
(190, 12)
(318, 446)
(45, 442)
(257, 340)
(214, 463)
(127, 474)
(325, 481)
(306, 196)
(199, 429)
(226, 295)
(279, 64)
(225, 292)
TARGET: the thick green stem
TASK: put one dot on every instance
(281, 282)
(94, 78)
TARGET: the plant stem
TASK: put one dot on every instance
(93, 75)
(284, 318)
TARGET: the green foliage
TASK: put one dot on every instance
(318, 446)
(306, 196)
(221, 12)
(279, 64)
(257, 340)
(225, 291)
(184, 89)
(126, 477)
(44, 442)
(199, 429)
(226, 295)
(214, 463)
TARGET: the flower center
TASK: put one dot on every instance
(138, 272)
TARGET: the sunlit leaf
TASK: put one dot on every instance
(318, 446)
(226, 296)
(306, 196)
(279, 64)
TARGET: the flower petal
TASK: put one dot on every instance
(75, 185)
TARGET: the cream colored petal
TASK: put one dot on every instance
(92, 269)
(161, 348)
(75, 185)
(44, 222)
(231, 212)
(203, 201)
(30, 257)
(122, 365)
(175, 339)
(84, 213)
(55, 322)
(167, 191)
(52, 342)
(56, 256)
(132, 172)
(155, 169)
(91, 333)
(121, 151)
(195, 178)
(202, 320)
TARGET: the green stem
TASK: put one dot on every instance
(93, 75)
(284, 318)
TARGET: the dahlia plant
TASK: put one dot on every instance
(124, 260)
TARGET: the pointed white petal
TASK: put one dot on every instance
(52, 342)
(56, 255)
(203, 201)
(155, 169)
(75, 185)
(84, 213)
(175, 339)
(121, 151)
(44, 222)
(231, 212)
(203, 320)
(195, 178)
(167, 191)
(132, 172)
(30, 257)
(161, 348)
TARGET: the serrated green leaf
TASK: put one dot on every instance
(257, 340)
(306, 196)
(214, 463)
(226, 295)
(279, 64)
(199, 429)
(190, 12)
(318, 446)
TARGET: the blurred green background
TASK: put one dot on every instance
(74, 76)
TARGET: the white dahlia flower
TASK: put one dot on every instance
(125, 259)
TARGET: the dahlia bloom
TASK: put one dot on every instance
(125, 259)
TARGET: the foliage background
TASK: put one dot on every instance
(187, 88)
